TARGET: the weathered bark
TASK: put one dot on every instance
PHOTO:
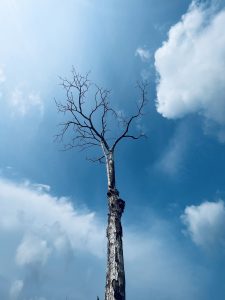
(86, 135)
(115, 277)
(110, 171)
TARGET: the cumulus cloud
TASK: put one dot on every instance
(46, 217)
(206, 223)
(143, 53)
(42, 235)
(57, 249)
(191, 67)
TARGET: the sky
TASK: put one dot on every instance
(53, 204)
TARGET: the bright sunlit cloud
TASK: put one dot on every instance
(191, 68)
(206, 224)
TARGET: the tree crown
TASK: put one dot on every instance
(90, 123)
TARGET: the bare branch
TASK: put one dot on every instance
(100, 160)
(127, 124)
(82, 118)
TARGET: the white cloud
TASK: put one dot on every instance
(47, 217)
(57, 249)
(32, 250)
(206, 223)
(38, 186)
(45, 240)
(143, 53)
(22, 102)
(191, 66)
(16, 289)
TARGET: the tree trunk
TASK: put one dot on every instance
(115, 277)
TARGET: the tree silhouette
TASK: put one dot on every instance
(89, 121)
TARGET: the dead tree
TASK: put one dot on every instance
(89, 114)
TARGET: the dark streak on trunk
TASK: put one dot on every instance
(115, 277)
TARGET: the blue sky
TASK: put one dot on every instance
(53, 205)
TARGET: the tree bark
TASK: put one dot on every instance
(115, 277)
(110, 165)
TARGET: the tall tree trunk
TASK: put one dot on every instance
(115, 277)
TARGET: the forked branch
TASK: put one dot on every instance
(87, 108)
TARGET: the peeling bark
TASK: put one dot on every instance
(115, 277)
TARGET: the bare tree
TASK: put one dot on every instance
(89, 114)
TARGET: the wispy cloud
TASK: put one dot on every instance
(22, 102)
(172, 160)
(191, 66)
(2, 75)
(143, 53)
(16, 289)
